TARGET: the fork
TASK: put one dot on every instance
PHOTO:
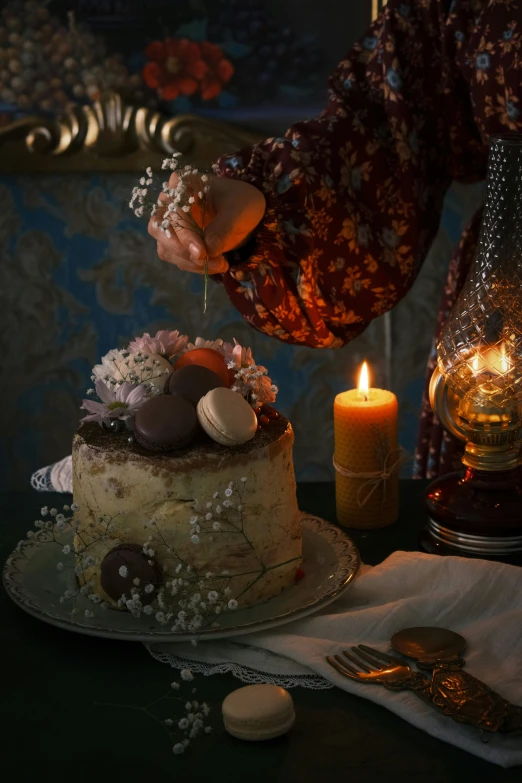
(451, 691)
(368, 665)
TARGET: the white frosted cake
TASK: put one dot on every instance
(172, 522)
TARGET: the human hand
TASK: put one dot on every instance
(233, 210)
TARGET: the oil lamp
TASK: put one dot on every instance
(476, 388)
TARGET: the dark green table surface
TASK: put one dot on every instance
(52, 728)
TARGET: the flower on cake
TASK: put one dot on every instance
(164, 343)
(137, 368)
(236, 356)
(122, 402)
(199, 342)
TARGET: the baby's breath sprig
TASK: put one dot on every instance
(185, 206)
(180, 730)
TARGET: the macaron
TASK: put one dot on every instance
(165, 423)
(205, 357)
(227, 417)
(258, 712)
(122, 566)
(192, 382)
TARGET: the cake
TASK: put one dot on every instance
(171, 521)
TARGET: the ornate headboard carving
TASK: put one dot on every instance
(113, 136)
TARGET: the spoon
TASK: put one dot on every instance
(429, 645)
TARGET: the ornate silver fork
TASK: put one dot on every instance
(451, 691)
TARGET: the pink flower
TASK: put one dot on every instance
(164, 343)
(120, 403)
(215, 345)
(236, 354)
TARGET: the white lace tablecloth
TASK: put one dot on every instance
(54, 478)
(481, 600)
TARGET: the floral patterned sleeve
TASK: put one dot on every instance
(354, 196)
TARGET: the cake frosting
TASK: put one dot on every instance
(120, 488)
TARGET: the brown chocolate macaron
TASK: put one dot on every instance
(122, 566)
(192, 382)
(165, 423)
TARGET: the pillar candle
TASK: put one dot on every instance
(366, 442)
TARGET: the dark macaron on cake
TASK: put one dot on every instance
(165, 423)
(192, 382)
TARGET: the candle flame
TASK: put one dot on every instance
(364, 385)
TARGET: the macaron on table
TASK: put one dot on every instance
(258, 712)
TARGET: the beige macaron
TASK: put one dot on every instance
(258, 712)
(227, 417)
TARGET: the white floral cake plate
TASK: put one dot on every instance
(330, 563)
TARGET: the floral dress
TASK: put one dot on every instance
(354, 196)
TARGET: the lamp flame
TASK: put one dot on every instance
(363, 385)
(494, 361)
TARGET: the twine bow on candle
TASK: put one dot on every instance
(374, 478)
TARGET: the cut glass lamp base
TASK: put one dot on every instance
(475, 513)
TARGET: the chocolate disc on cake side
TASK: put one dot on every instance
(125, 565)
(165, 423)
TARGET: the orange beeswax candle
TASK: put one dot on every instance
(366, 443)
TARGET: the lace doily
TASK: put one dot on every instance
(54, 478)
(222, 657)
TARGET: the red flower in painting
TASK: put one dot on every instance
(175, 68)
(218, 73)
(178, 66)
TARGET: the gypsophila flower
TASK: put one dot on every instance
(44, 511)
(123, 571)
(232, 604)
(243, 479)
(216, 526)
(178, 748)
(183, 724)
(53, 512)
(186, 675)
(88, 613)
(169, 722)
(148, 609)
(212, 596)
(228, 492)
(59, 566)
(67, 549)
(194, 539)
(174, 685)
(75, 507)
(149, 588)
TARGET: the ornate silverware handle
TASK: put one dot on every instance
(469, 700)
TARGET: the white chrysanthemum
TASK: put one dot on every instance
(119, 366)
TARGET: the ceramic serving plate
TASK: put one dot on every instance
(330, 564)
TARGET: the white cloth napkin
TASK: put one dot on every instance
(479, 599)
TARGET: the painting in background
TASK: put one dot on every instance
(250, 61)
